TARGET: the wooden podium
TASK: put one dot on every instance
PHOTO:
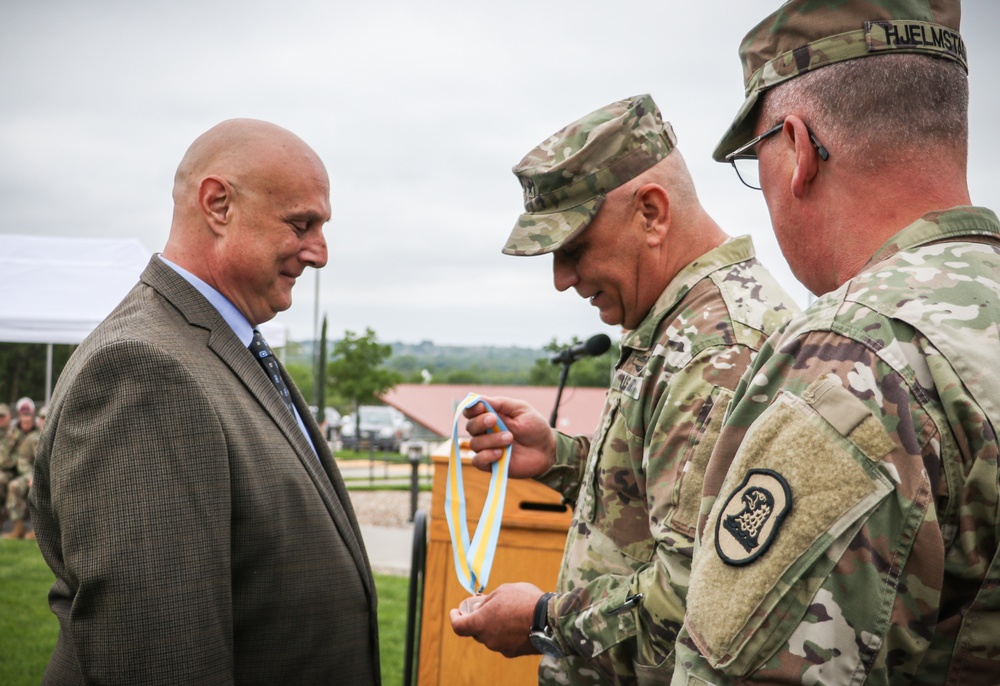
(529, 548)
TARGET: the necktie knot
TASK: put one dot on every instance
(265, 356)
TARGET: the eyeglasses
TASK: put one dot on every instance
(744, 158)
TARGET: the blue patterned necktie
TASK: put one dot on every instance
(262, 351)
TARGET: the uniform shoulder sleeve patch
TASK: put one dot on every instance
(752, 516)
(794, 487)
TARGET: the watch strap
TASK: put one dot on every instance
(541, 619)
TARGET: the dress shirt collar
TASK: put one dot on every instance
(237, 322)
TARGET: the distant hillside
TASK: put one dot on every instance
(426, 362)
(460, 364)
(447, 363)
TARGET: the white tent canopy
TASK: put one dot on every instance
(64, 287)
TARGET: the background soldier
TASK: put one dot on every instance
(8, 463)
(17, 490)
(871, 419)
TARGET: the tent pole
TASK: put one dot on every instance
(48, 373)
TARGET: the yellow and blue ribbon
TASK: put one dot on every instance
(474, 559)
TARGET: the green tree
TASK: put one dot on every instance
(301, 366)
(22, 369)
(304, 376)
(357, 371)
(587, 372)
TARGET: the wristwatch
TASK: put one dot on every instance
(541, 632)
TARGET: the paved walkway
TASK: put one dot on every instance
(389, 548)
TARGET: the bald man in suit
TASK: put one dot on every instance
(198, 527)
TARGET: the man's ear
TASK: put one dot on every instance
(654, 204)
(806, 155)
(215, 198)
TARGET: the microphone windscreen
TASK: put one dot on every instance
(598, 344)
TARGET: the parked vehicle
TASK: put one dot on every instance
(384, 427)
(330, 422)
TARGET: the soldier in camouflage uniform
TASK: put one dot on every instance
(610, 198)
(17, 489)
(850, 530)
(22, 430)
(8, 462)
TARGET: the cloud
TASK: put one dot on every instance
(418, 110)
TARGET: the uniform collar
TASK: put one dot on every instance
(940, 225)
(731, 252)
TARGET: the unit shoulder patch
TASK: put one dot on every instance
(752, 516)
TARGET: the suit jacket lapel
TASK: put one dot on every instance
(324, 473)
(327, 476)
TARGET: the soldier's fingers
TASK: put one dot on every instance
(480, 424)
(491, 441)
(459, 623)
(463, 624)
(474, 411)
(485, 459)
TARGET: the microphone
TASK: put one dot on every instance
(595, 345)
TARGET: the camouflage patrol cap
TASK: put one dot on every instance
(804, 35)
(566, 178)
(4, 410)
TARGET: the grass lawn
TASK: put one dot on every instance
(28, 629)
(379, 455)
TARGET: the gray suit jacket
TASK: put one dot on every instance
(194, 535)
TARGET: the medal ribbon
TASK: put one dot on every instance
(474, 559)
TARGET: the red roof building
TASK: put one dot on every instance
(433, 407)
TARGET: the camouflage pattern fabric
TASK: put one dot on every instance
(17, 489)
(805, 35)
(8, 463)
(8, 440)
(565, 179)
(851, 504)
(638, 491)
(5, 479)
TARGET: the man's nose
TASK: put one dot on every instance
(563, 271)
(314, 252)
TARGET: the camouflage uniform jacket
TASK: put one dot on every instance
(8, 441)
(25, 452)
(851, 503)
(637, 486)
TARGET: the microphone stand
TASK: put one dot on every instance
(595, 345)
(562, 382)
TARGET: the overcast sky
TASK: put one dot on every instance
(419, 110)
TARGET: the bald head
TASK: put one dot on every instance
(250, 202)
(239, 150)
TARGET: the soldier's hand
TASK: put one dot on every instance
(502, 620)
(533, 440)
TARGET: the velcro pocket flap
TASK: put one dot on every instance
(691, 478)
